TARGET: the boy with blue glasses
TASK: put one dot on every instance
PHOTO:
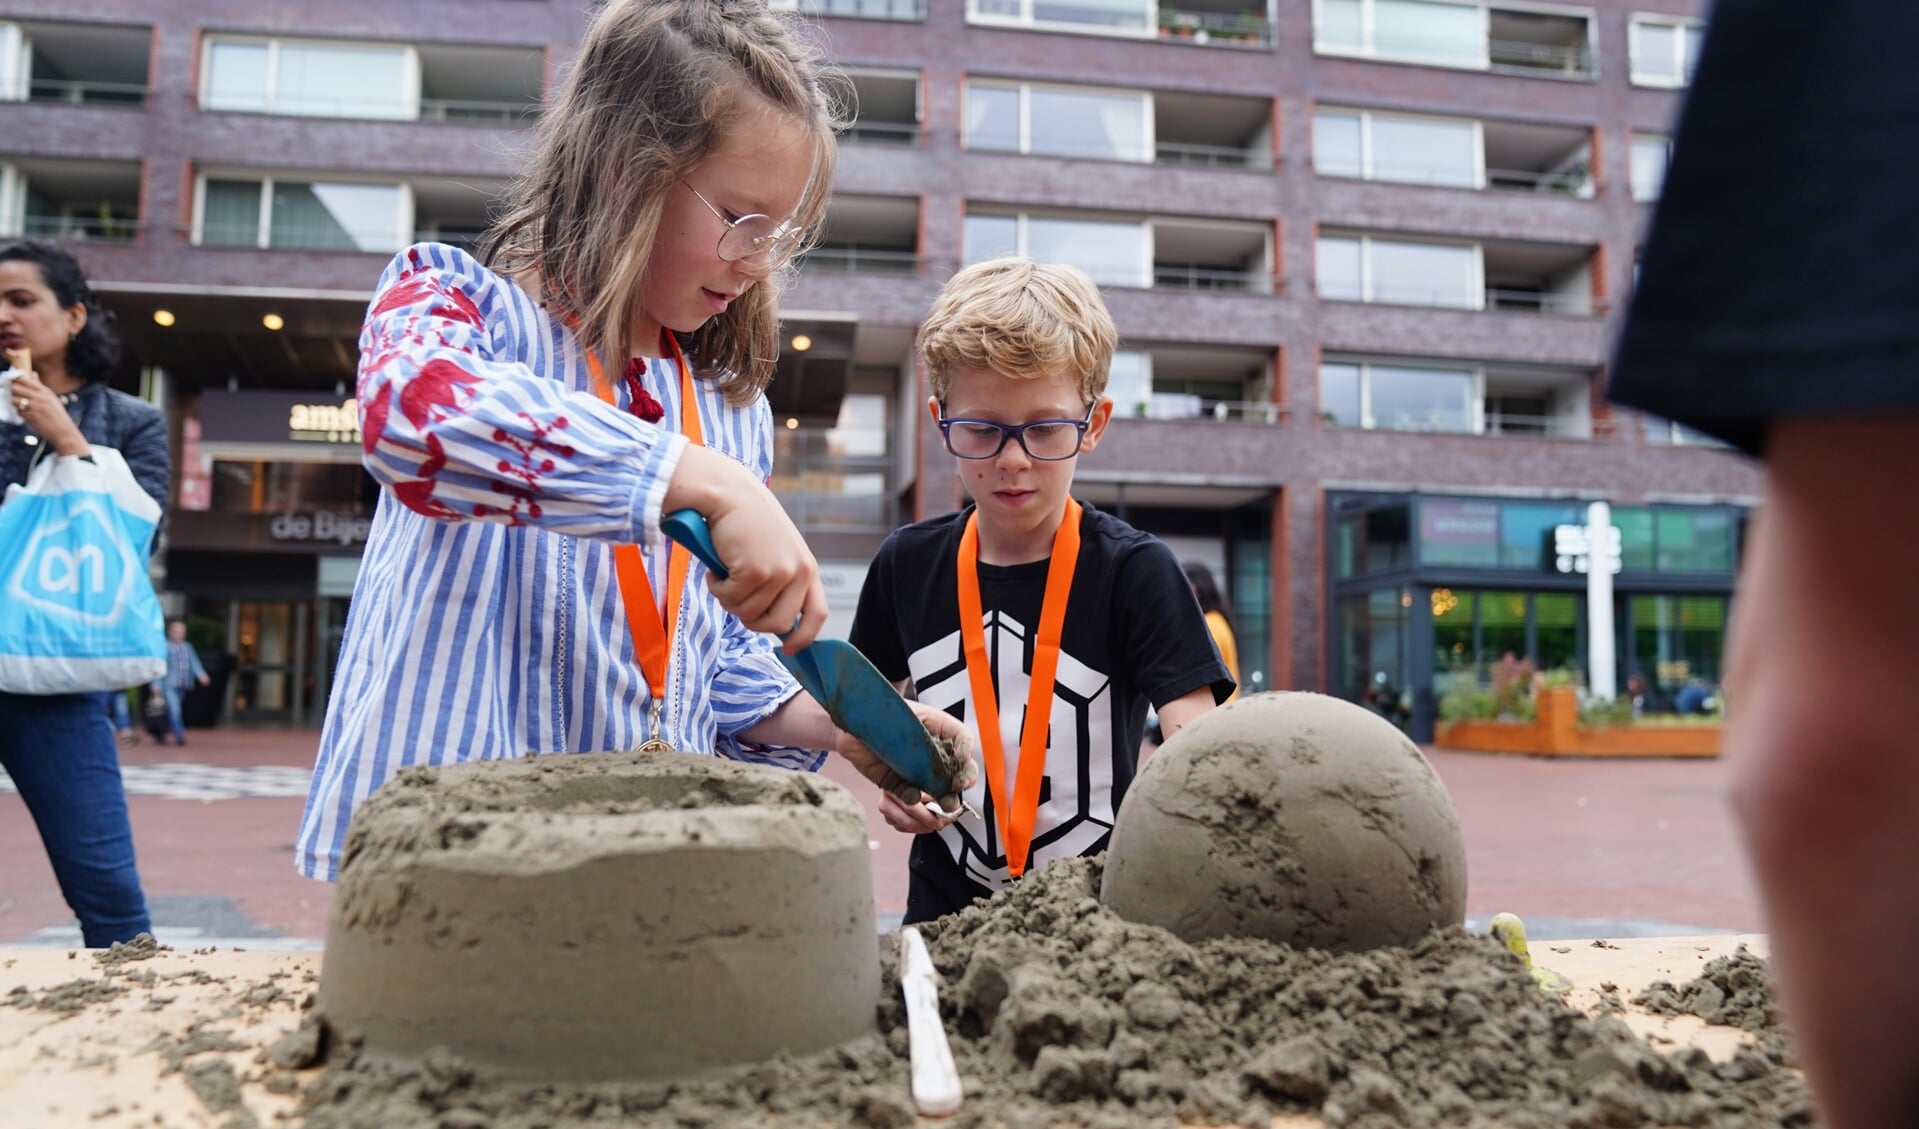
(1047, 626)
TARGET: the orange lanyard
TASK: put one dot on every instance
(652, 634)
(1017, 811)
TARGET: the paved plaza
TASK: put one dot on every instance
(1577, 848)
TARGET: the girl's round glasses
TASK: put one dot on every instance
(753, 239)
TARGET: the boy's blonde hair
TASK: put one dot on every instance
(655, 84)
(1022, 319)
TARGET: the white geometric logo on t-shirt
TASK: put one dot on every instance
(1079, 761)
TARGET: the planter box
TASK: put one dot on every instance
(1557, 733)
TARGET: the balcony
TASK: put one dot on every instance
(1212, 23)
(869, 235)
(911, 10)
(887, 103)
(455, 212)
(1443, 152)
(85, 64)
(1503, 277)
(1166, 382)
(1191, 254)
(481, 85)
(1528, 43)
(1222, 25)
(1212, 131)
(78, 201)
(1397, 394)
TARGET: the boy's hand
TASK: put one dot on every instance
(903, 806)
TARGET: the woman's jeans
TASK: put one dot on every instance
(61, 753)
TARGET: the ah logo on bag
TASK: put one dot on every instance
(80, 566)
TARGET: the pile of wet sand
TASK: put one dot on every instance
(1063, 1013)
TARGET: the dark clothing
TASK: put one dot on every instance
(1777, 279)
(59, 750)
(1133, 636)
(107, 418)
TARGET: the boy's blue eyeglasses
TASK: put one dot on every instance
(1048, 440)
(755, 239)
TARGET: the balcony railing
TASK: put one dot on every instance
(1457, 298)
(861, 9)
(466, 239)
(94, 229)
(865, 132)
(1579, 183)
(1180, 276)
(1202, 156)
(1539, 60)
(87, 93)
(1543, 302)
(1552, 426)
(1215, 28)
(849, 260)
(472, 110)
(1190, 406)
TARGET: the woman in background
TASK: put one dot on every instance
(1218, 617)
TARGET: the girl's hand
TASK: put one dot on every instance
(40, 408)
(773, 583)
(903, 806)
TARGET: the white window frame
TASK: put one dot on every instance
(409, 53)
(16, 63)
(1022, 218)
(1681, 65)
(1368, 39)
(1632, 164)
(1367, 170)
(1025, 19)
(1149, 126)
(1476, 281)
(404, 216)
(13, 200)
(1365, 367)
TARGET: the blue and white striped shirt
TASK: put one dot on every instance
(486, 622)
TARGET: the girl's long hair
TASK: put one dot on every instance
(655, 84)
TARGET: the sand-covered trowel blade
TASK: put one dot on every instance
(861, 701)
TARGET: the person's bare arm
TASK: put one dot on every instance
(1183, 709)
(1825, 751)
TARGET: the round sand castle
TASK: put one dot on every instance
(604, 917)
(1292, 817)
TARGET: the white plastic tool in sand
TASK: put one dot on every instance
(936, 1081)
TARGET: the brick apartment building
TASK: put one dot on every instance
(1366, 257)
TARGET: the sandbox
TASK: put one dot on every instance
(613, 916)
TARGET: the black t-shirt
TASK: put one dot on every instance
(1778, 278)
(1133, 636)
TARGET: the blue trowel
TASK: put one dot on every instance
(856, 695)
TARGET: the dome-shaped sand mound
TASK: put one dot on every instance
(1294, 817)
(604, 916)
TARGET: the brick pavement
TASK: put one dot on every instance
(1578, 848)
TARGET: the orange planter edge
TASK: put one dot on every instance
(1556, 733)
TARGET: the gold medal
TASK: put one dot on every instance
(653, 744)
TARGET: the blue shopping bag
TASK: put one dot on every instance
(77, 608)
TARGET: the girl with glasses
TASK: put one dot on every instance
(532, 414)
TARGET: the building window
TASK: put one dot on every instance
(1110, 17)
(1651, 154)
(1113, 253)
(1665, 51)
(1114, 125)
(16, 64)
(302, 215)
(1663, 431)
(1398, 147)
(310, 78)
(1393, 397)
(1424, 31)
(1357, 268)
